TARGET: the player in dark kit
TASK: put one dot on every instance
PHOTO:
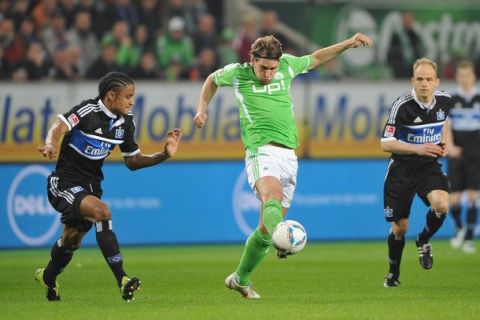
(94, 128)
(415, 134)
(464, 155)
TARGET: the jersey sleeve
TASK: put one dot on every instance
(394, 122)
(224, 77)
(78, 115)
(297, 65)
(73, 117)
(129, 147)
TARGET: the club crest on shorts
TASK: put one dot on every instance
(388, 212)
(76, 189)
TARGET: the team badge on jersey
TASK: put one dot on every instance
(388, 212)
(119, 133)
(389, 131)
(440, 115)
(73, 119)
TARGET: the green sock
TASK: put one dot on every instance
(256, 249)
(271, 214)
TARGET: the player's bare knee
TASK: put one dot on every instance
(102, 212)
(440, 206)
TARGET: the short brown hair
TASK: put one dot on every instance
(425, 61)
(267, 47)
(466, 64)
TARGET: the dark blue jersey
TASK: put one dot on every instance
(94, 133)
(412, 122)
(465, 120)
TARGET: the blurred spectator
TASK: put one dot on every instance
(12, 44)
(54, 35)
(206, 64)
(175, 49)
(206, 35)
(121, 10)
(105, 63)
(42, 13)
(178, 8)
(198, 8)
(98, 25)
(120, 38)
(245, 36)
(68, 9)
(35, 65)
(19, 12)
(148, 68)
(226, 53)
(4, 67)
(65, 62)
(150, 15)
(140, 45)
(405, 47)
(82, 36)
(270, 28)
(4, 9)
(27, 31)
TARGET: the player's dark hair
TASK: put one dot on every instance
(113, 81)
(267, 47)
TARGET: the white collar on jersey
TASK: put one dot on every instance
(467, 95)
(105, 110)
(423, 105)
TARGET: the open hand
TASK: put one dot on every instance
(173, 140)
(48, 150)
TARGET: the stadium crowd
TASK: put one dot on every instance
(78, 39)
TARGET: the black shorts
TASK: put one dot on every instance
(464, 173)
(65, 197)
(404, 180)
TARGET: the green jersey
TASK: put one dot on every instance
(266, 111)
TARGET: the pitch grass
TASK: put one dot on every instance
(325, 281)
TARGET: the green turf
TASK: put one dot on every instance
(325, 281)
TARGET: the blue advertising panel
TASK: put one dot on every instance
(205, 202)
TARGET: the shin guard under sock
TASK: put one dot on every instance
(256, 249)
(108, 244)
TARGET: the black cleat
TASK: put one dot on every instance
(391, 281)
(52, 292)
(425, 255)
(128, 287)
(282, 255)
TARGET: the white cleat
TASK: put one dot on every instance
(231, 282)
(469, 247)
(457, 241)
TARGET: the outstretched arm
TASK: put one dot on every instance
(324, 55)
(208, 90)
(140, 161)
(426, 149)
(49, 149)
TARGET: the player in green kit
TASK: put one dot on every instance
(269, 134)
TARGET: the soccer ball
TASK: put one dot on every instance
(289, 237)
